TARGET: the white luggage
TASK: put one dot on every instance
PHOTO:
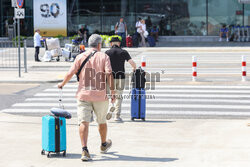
(47, 56)
(52, 43)
(66, 54)
(56, 52)
(68, 46)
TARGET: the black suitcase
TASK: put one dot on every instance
(135, 40)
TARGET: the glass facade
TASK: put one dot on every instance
(172, 17)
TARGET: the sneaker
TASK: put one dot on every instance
(85, 156)
(109, 114)
(227, 40)
(220, 39)
(107, 147)
(118, 119)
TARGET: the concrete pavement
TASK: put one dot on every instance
(156, 142)
(175, 142)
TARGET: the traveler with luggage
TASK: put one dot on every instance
(138, 25)
(121, 30)
(155, 33)
(37, 44)
(224, 33)
(84, 33)
(143, 33)
(91, 94)
(118, 57)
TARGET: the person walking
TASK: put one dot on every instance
(149, 24)
(142, 30)
(121, 30)
(91, 94)
(37, 44)
(118, 56)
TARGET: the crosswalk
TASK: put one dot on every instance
(168, 100)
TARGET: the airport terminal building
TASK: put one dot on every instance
(173, 17)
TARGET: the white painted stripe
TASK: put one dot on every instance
(50, 99)
(205, 106)
(172, 91)
(43, 105)
(156, 95)
(182, 86)
(201, 113)
(151, 100)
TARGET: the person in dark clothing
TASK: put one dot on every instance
(148, 23)
(162, 26)
(118, 57)
(84, 33)
(155, 33)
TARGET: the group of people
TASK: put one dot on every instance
(83, 33)
(103, 72)
(143, 29)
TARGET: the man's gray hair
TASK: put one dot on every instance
(94, 40)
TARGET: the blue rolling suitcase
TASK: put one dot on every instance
(151, 41)
(53, 135)
(138, 104)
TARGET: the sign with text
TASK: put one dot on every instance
(50, 17)
(19, 13)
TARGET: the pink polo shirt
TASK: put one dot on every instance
(92, 79)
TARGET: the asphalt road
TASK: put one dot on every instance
(219, 92)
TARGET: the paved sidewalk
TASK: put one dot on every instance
(177, 143)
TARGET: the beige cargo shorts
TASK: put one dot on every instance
(85, 108)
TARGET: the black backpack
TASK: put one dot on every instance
(139, 78)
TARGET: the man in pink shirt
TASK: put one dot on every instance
(91, 94)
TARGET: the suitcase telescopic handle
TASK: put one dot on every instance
(60, 99)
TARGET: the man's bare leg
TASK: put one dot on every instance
(84, 132)
(106, 144)
(103, 132)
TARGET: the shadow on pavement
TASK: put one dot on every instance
(69, 156)
(151, 121)
(140, 121)
(119, 157)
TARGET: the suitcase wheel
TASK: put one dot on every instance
(42, 152)
(58, 58)
(132, 119)
(143, 119)
(48, 155)
(64, 153)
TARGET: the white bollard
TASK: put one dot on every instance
(143, 62)
(244, 68)
(194, 68)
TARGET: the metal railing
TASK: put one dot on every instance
(9, 55)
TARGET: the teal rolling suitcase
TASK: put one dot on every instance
(53, 135)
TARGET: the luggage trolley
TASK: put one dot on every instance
(242, 33)
(53, 46)
(237, 33)
(70, 51)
